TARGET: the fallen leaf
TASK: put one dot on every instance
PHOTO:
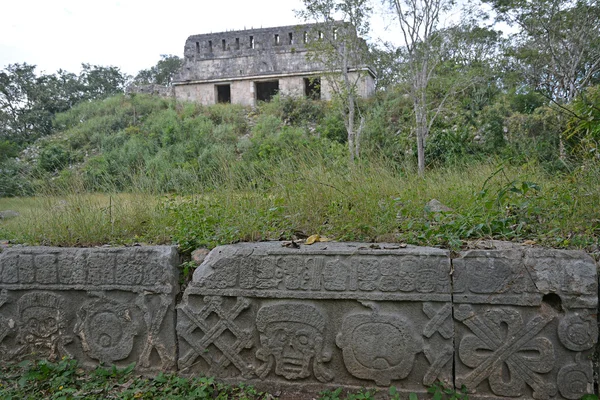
(312, 239)
(529, 242)
(316, 238)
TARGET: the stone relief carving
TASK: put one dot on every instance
(106, 329)
(577, 332)
(41, 326)
(379, 347)
(440, 321)
(153, 324)
(292, 339)
(212, 335)
(576, 379)
(490, 349)
(388, 276)
(6, 325)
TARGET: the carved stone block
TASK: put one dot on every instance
(325, 315)
(525, 323)
(97, 305)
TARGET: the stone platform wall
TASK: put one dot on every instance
(515, 322)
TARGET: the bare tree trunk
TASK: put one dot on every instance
(351, 106)
(358, 135)
(350, 128)
(420, 109)
(421, 131)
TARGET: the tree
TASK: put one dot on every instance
(22, 96)
(558, 46)
(28, 101)
(99, 82)
(162, 73)
(419, 23)
(339, 47)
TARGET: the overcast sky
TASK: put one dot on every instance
(129, 34)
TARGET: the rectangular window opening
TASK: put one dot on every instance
(197, 47)
(305, 37)
(210, 46)
(223, 94)
(251, 42)
(237, 43)
(276, 39)
(291, 38)
(335, 33)
(266, 90)
(224, 44)
(320, 35)
(312, 88)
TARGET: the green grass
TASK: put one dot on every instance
(65, 379)
(369, 201)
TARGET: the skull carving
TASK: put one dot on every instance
(42, 324)
(291, 337)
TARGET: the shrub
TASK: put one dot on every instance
(54, 157)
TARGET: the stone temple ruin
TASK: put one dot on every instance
(243, 67)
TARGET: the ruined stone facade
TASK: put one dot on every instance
(515, 322)
(243, 67)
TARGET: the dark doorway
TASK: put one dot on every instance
(266, 90)
(312, 88)
(223, 93)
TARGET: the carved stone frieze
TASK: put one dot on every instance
(109, 306)
(335, 313)
(525, 322)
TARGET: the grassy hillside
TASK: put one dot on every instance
(141, 169)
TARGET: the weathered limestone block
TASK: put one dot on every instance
(325, 315)
(525, 323)
(102, 305)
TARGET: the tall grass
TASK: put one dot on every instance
(84, 220)
(307, 193)
(156, 171)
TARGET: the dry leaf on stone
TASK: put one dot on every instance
(316, 238)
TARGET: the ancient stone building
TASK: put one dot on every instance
(243, 67)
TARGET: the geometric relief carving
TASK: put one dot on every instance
(502, 341)
(41, 326)
(379, 347)
(213, 334)
(153, 325)
(441, 322)
(106, 328)
(292, 339)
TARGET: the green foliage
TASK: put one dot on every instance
(583, 129)
(8, 150)
(53, 157)
(162, 73)
(29, 101)
(295, 111)
(451, 146)
(14, 180)
(65, 379)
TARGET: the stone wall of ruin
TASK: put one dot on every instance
(505, 322)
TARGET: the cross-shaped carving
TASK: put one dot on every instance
(212, 335)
